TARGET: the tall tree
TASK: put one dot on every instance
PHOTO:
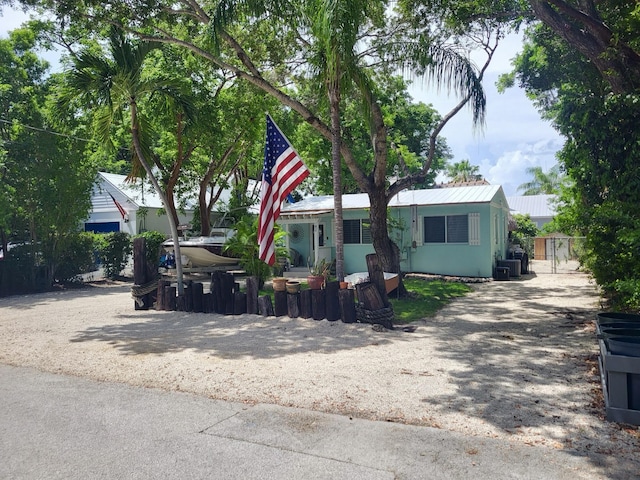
(548, 183)
(336, 25)
(271, 63)
(116, 86)
(45, 178)
(463, 171)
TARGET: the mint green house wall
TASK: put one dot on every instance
(488, 235)
(472, 259)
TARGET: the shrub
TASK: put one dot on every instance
(76, 256)
(114, 250)
(153, 242)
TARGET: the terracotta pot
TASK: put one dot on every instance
(315, 282)
(279, 284)
(293, 286)
(343, 285)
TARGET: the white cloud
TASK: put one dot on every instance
(514, 137)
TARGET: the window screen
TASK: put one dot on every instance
(457, 229)
(446, 229)
(366, 232)
(434, 229)
(351, 231)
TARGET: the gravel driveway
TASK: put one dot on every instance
(513, 360)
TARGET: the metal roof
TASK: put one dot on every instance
(150, 199)
(534, 205)
(436, 196)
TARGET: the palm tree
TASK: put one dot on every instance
(543, 183)
(115, 85)
(335, 25)
(463, 171)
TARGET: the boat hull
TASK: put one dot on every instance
(391, 280)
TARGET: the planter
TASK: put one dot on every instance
(315, 282)
(344, 285)
(617, 317)
(293, 286)
(279, 284)
(620, 378)
(626, 346)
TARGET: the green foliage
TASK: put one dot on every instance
(525, 233)
(542, 183)
(603, 157)
(321, 268)
(463, 171)
(77, 256)
(114, 250)
(45, 178)
(21, 271)
(425, 298)
(153, 243)
(244, 245)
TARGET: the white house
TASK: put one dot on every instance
(131, 207)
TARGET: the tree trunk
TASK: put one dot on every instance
(585, 31)
(154, 181)
(386, 249)
(334, 100)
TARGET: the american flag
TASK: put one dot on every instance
(283, 172)
(120, 208)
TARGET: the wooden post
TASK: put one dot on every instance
(140, 271)
(305, 304)
(376, 276)
(197, 292)
(239, 303)
(252, 295)
(369, 296)
(168, 297)
(207, 303)
(347, 305)
(228, 283)
(181, 301)
(293, 305)
(265, 306)
(332, 307)
(188, 296)
(280, 303)
(318, 304)
(216, 291)
(160, 303)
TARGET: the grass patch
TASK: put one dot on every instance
(425, 298)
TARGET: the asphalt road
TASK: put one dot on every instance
(62, 427)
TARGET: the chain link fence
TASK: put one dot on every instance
(555, 254)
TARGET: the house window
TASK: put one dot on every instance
(356, 231)
(446, 229)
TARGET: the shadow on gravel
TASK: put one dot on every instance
(234, 337)
(100, 291)
(517, 355)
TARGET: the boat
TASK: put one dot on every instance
(391, 280)
(204, 251)
(201, 257)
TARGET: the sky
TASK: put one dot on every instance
(514, 137)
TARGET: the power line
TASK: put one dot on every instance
(3, 120)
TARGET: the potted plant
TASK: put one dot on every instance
(318, 273)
